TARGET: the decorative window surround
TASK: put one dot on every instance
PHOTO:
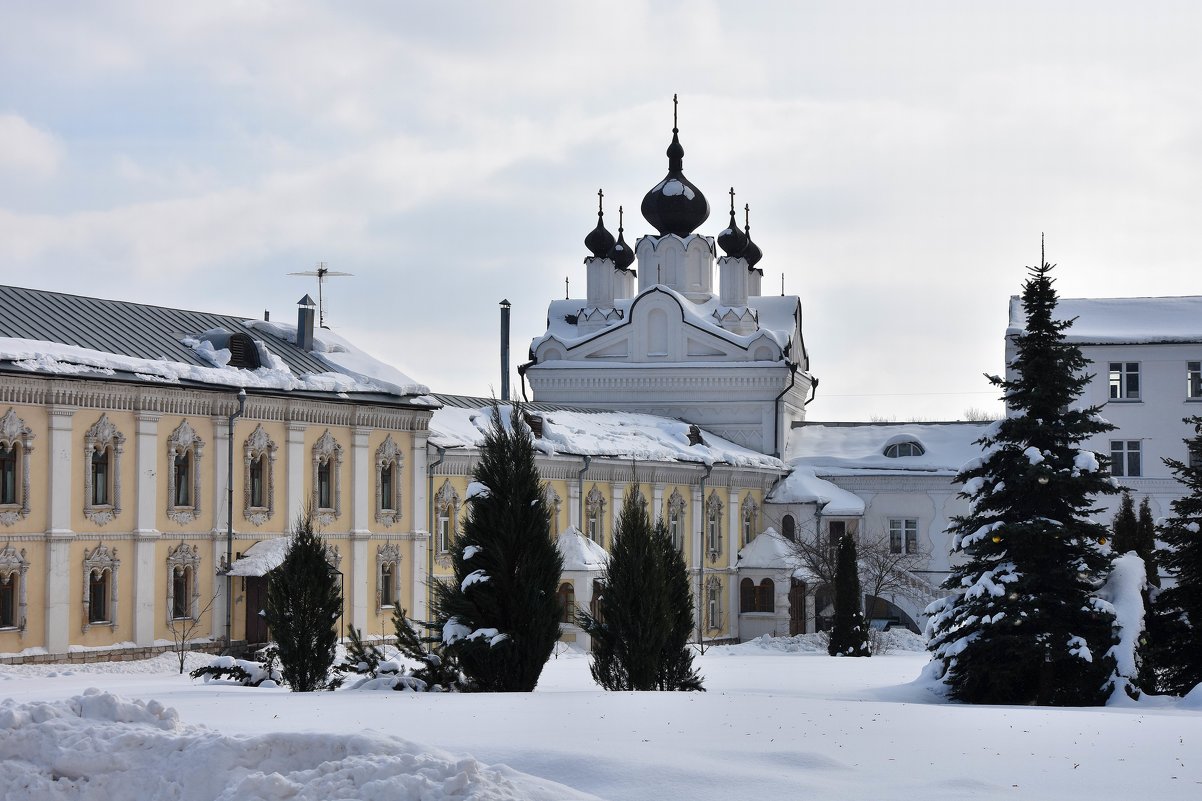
(446, 511)
(327, 467)
(554, 504)
(334, 557)
(713, 525)
(183, 447)
(676, 519)
(102, 438)
(259, 448)
(17, 437)
(100, 563)
(13, 567)
(713, 603)
(594, 516)
(388, 568)
(389, 461)
(183, 561)
(751, 513)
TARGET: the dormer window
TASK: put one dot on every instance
(900, 449)
(243, 352)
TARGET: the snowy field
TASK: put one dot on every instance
(779, 721)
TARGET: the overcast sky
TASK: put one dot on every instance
(900, 160)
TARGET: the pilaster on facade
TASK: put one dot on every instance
(297, 467)
(146, 438)
(62, 466)
(144, 594)
(58, 591)
(222, 475)
(361, 480)
(360, 585)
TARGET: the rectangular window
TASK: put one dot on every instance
(8, 601)
(903, 535)
(1125, 458)
(183, 479)
(386, 493)
(386, 593)
(713, 532)
(1194, 459)
(257, 469)
(180, 593)
(1124, 380)
(674, 530)
(714, 606)
(8, 474)
(325, 494)
(444, 530)
(100, 477)
(1193, 380)
(98, 595)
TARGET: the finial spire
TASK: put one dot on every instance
(747, 217)
(732, 201)
(675, 104)
(620, 228)
(600, 202)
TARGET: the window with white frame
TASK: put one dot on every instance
(446, 514)
(16, 442)
(258, 479)
(757, 598)
(102, 448)
(1124, 380)
(897, 450)
(389, 461)
(750, 512)
(388, 569)
(594, 516)
(903, 535)
(13, 567)
(183, 591)
(100, 566)
(1125, 458)
(327, 478)
(184, 450)
(554, 503)
(1193, 380)
(713, 525)
(676, 519)
(713, 603)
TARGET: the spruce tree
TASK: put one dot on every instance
(1145, 542)
(1125, 529)
(640, 634)
(303, 602)
(849, 632)
(500, 614)
(1177, 632)
(1023, 624)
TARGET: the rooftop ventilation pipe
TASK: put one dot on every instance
(505, 350)
(304, 323)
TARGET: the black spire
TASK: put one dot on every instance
(753, 254)
(599, 241)
(732, 240)
(675, 205)
(621, 254)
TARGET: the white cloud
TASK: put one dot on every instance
(26, 150)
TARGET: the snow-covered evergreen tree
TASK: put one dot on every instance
(1177, 633)
(303, 602)
(1024, 624)
(849, 632)
(1125, 529)
(637, 639)
(500, 613)
(1145, 542)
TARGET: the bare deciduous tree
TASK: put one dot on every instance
(182, 630)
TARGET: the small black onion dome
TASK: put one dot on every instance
(753, 254)
(599, 241)
(732, 240)
(621, 254)
(675, 205)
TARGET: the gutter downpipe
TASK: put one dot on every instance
(588, 460)
(229, 520)
(431, 525)
(701, 600)
(776, 445)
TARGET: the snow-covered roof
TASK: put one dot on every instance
(1123, 320)
(768, 550)
(834, 449)
(579, 552)
(778, 318)
(619, 435)
(261, 558)
(56, 334)
(803, 486)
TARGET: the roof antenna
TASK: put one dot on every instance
(322, 272)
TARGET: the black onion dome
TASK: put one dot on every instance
(732, 240)
(599, 241)
(621, 254)
(675, 205)
(753, 254)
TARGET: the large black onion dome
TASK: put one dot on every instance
(675, 205)
(732, 240)
(599, 241)
(753, 254)
(621, 254)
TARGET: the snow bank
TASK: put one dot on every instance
(262, 557)
(768, 550)
(803, 486)
(854, 448)
(1122, 320)
(897, 639)
(100, 746)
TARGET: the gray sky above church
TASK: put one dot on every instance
(900, 161)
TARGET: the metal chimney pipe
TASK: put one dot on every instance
(505, 350)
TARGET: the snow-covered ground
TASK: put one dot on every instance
(781, 720)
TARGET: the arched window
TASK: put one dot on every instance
(389, 459)
(676, 519)
(100, 566)
(388, 563)
(327, 478)
(765, 596)
(747, 596)
(16, 441)
(594, 516)
(446, 511)
(567, 602)
(789, 526)
(907, 448)
(258, 485)
(183, 594)
(103, 445)
(13, 566)
(184, 450)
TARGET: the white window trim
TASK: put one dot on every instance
(14, 433)
(187, 558)
(183, 439)
(258, 446)
(554, 505)
(388, 556)
(713, 604)
(98, 560)
(1123, 385)
(750, 514)
(902, 526)
(446, 506)
(1191, 383)
(594, 516)
(1126, 451)
(13, 567)
(676, 509)
(327, 451)
(102, 436)
(713, 525)
(389, 454)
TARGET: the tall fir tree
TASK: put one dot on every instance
(637, 631)
(849, 632)
(1125, 529)
(500, 614)
(1023, 624)
(1177, 630)
(1145, 542)
(304, 600)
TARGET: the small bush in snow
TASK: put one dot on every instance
(264, 673)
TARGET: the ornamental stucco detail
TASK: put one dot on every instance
(327, 455)
(259, 449)
(96, 563)
(183, 442)
(389, 458)
(102, 437)
(183, 559)
(17, 436)
(13, 567)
